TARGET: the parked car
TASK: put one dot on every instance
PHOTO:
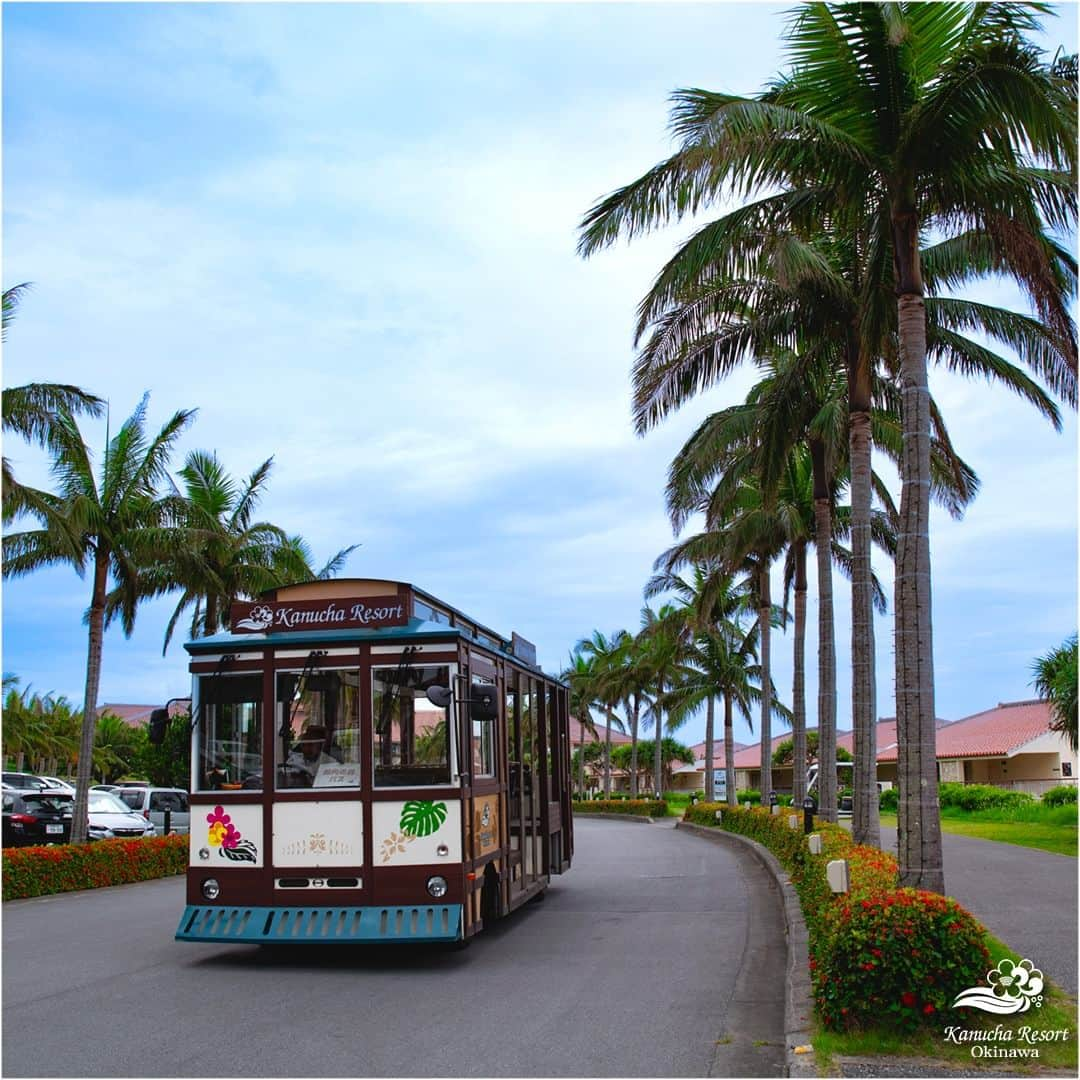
(111, 817)
(54, 783)
(22, 781)
(35, 817)
(152, 802)
(106, 787)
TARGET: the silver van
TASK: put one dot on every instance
(153, 802)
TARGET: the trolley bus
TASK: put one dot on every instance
(369, 765)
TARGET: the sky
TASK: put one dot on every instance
(346, 235)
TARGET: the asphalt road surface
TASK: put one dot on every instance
(658, 954)
(1023, 896)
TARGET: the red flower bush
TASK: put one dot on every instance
(879, 955)
(40, 871)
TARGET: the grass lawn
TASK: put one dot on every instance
(1057, 1012)
(1056, 832)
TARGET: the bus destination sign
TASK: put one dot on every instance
(273, 616)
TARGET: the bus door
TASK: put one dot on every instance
(515, 817)
(482, 802)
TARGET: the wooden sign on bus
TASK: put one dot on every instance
(274, 617)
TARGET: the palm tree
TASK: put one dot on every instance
(578, 675)
(112, 523)
(712, 605)
(228, 555)
(628, 680)
(604, 657)
(899, 116)
(804, 295)
(1056, 682)
(662, 640)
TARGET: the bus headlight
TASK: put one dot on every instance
(211, 889)
(436, 886)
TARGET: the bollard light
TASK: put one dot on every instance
(808, 815)
(836, 872)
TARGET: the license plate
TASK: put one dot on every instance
(54, 830)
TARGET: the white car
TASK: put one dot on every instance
(56, 784)
(111, 817)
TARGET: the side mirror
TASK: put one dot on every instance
(159, 721)
(484, 703)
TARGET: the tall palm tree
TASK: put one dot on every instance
(578, 675)
(712, 604)
(663, 643)
(603, 654)
(805, 295)
(228, 555)
(628, 679)
(895, 118)
(112, 524)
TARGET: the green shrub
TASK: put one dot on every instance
(748, 796)
(980, 797)
(56, 868)
(1060, 796)
(642, 807)
(890, 801)
(879, 955)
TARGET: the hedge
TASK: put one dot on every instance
(879, 955)
(980, 796)
(57, 868)
(1060, 796)
(641, 807)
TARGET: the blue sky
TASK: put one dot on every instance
(345, 233)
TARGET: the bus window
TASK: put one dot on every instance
(411, 745)
(230, 733)
(483, 739)
(318, 731)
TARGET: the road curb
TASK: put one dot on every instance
(614, 817)
(798, 997)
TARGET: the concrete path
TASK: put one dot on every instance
(1024, 896)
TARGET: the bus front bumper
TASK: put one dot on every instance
(327, 925)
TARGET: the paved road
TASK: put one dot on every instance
(657, 955)
(1024, 896)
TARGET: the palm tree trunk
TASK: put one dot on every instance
(210, 625)
(658, 750)
(798, 690)
(765, 625)
(865, 827)
(826, 701)
(581, 762)
(919, 823)
(709, 740)
(96, 637)
(729, 750)
(607, 755)
(634, 713)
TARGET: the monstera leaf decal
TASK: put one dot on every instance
(420, 818)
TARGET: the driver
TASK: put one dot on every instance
(306, 756)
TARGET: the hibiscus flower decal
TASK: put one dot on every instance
(224, 835)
